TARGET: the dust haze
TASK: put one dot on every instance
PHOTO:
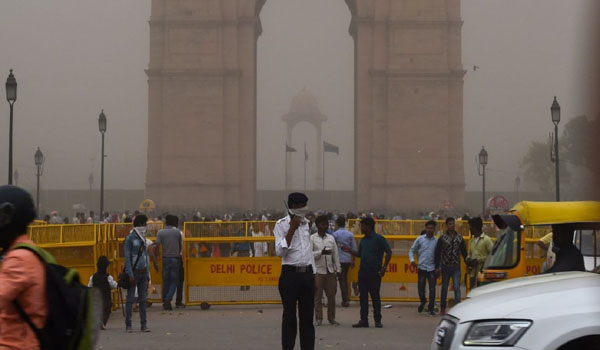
(73, 58)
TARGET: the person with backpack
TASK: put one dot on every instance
(22, 276)
(42, 304)
(104, 282)
(136, 267)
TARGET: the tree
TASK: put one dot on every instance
(577, 141)
(540, 169)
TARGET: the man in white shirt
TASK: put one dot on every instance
(260, 248)
(297, 280)
(328, 266)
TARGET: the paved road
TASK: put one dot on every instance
(258, 327)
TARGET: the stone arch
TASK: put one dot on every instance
(408, 103)
(305, 109)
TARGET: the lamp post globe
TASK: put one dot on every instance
(11, 88)
(555, 111)
(11, 97)
(102, 122)
(483, 157)
(38, 157)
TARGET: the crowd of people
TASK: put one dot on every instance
(90, 217)
(313, 263)
(332, 253)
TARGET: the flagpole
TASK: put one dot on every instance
(323, 168)
(286, 167)
(304, 166)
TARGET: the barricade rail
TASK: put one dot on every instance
(235, 262)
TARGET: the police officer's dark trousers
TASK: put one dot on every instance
(297, 289)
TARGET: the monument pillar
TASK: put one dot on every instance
(202, 104)
(409, 83)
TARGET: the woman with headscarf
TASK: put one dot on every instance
(104, 282)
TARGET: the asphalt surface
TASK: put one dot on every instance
(259, 327)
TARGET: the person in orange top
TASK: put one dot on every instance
(22, 275)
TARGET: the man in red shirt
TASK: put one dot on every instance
(22, 275)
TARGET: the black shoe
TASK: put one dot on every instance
(180, 306)
(421, 307)
(167, 306)
(361, 324)
(431, 313)
(378, 324)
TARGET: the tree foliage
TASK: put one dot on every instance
(575, 149)
(539, 169)
(577, 141)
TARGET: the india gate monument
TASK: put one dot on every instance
(408, 113)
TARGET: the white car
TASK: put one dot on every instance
(543, 312)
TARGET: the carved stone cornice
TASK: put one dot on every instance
(413, 184)
(399, 73)
(195, 184)
(193, 73)
(207, 22)
(409, 23)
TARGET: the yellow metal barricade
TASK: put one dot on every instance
(217, 269)
(216, 229)
(416, 227)
(231, 279)
(400, 280)
(74, 246)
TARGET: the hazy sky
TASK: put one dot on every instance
(73, 58)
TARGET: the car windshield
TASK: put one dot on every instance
(584, 240)
(506, 251)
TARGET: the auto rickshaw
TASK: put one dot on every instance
(515, 253)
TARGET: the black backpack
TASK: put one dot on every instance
(74, 310)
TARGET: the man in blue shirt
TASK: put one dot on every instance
(370, 251)
(344, 238)
(424, 247)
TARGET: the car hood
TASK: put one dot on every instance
(524, 281)
(524, 297)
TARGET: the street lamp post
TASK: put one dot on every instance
(482, 161)
(102, 128)
(555, 114)
(11, 97)
(39, 164)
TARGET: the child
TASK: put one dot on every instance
(104, 282)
